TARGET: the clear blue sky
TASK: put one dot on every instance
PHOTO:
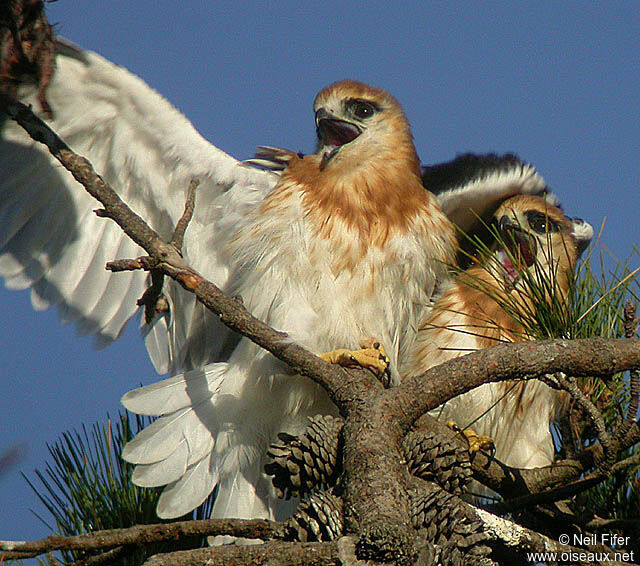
(555, 82)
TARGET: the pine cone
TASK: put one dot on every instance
(434, 458)
(317, 519)
(448, 522)
(307, 462)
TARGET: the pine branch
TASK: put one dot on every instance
(148, 534)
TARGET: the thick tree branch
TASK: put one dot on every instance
(522, 539)
(598, 357)
(268, 554)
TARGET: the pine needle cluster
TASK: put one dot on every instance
(87, 487)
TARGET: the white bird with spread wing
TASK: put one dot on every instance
(348, 245)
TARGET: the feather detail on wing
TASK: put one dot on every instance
(52, 242)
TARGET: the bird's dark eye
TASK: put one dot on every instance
(541, 223)
(361, 108)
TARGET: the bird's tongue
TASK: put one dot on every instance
(521, 252)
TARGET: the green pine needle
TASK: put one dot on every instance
(87, 487)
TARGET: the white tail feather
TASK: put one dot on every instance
(190, 491)
(164, 472)
(157, 441)
(237, 498)
(175, 393)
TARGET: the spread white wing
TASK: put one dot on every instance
(52, 242)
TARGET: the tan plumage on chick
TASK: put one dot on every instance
(470, 314)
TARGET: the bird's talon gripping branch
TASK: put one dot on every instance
(475, 441)
(371, 356)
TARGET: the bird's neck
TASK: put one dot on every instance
(369, 202)
(483, 293)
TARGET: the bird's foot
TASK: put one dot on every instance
(371, 356)
(475, 441)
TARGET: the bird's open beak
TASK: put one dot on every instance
(517, 250)
(333, 133)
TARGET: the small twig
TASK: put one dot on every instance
(556, 494)
(598, 524)
(177, 240)
(630, 330)
(145, 262)
(107, 557)
(152, 299)
(568, 489)
(569, 437)
(634, 378)
(19, 555)
(569, 384)
(622, 465)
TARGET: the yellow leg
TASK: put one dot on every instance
(371, 356)
(475, 441)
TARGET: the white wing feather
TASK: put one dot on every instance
(465, 203)
(50, 239)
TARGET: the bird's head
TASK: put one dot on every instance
(537, 236)
(359, 123)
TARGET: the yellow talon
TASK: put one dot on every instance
(371, 356)
(475, 441)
